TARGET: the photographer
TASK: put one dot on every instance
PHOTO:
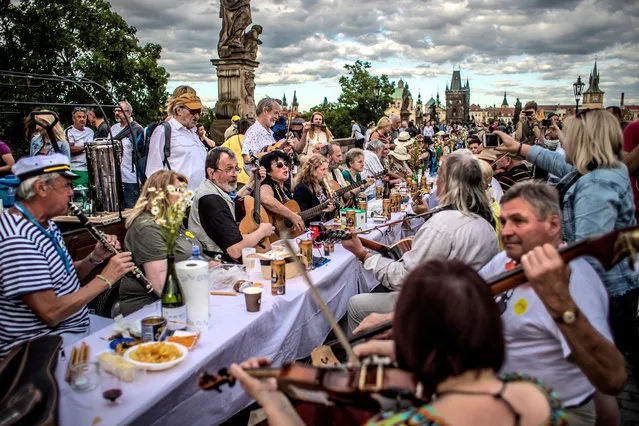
(528, 130)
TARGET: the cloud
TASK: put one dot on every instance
(533, 47)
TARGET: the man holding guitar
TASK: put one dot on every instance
(212, 219)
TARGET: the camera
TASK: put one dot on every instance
(491, 140)
(546, 123)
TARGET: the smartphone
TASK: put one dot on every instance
(546, 123)
(491, 140)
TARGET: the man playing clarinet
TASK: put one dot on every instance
(40, 291)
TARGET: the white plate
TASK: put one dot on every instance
(156, 366)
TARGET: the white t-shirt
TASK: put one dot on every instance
(188, 155)
(78, 137)
(534, 343)
(128, 176)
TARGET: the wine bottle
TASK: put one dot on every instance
(387, 188)
(173, 306)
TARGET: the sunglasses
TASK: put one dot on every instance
(280, 165)
(82, 109)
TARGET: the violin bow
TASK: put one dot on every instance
(407, 218)
(339, 333)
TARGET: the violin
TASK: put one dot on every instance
(352, 386)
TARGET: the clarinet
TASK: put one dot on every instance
(101, 238)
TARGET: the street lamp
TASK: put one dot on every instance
(378, 93)
(578, 88)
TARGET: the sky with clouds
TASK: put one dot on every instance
(533, 49)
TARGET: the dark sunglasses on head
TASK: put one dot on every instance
(82, 109)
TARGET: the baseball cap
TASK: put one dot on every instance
(190, 101)
(235, 118)
(28, 167)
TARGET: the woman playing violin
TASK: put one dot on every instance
(454, 348)
(310, 190)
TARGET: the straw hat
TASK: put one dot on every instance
(403, 139)
(400, 152)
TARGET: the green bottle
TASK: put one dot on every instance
(173, 306)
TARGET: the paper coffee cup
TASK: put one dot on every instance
(253, 298)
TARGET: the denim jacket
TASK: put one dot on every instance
(597, 203)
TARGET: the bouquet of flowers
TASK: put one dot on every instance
(169, 210)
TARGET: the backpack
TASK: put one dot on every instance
(141, 149)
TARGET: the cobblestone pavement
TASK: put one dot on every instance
(628, 400)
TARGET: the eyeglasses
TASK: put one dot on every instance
(230, 170)
(192, 111)
(280, 165)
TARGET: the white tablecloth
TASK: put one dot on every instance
(288, 327)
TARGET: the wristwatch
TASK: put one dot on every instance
(568, 317)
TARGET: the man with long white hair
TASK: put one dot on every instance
(462, 229)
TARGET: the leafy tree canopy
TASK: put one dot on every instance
(358, 93)
(78, 38)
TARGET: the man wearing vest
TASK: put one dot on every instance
(212, 219)
(78, 135)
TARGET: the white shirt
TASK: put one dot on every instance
(534, 343)
(372, 166)
(188, 155)
(128, 176)
(429, 131)
(78, 137)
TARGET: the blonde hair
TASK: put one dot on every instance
(48, 119)
(179, 91)
(159, 180)
(593, 140)
(307, 173)
(383, 122)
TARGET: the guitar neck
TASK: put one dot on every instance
(256, 195)
(354, 185)
(314, 211)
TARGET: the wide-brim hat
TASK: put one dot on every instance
(403, 139)
(440, 133)
(400, 153)
(489, 155)
(28, 167)
(190, 101)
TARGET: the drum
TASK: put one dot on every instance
(103, 164)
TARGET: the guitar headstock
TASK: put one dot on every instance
(208, 381)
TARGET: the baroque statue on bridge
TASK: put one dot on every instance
(236, 17)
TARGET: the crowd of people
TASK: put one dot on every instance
(547, 352)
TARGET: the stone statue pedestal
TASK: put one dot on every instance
(404, 115)
(235, 88)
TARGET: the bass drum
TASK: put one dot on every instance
(103, 164)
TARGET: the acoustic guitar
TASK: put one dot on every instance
(283, 224)
(251, 214)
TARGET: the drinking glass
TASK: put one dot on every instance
(248, 262)
(111, 386)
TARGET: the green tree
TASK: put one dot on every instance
(336, 116)
(78, 38)
(358, 93)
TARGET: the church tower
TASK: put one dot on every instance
(504, 103)
(593, 96)
(295, 105)
(457, 99)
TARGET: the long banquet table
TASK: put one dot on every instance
(287, 327)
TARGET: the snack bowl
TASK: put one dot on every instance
(156, 366)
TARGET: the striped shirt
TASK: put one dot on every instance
(516, 174)
(29, 263)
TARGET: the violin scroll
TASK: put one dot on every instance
(213, 381)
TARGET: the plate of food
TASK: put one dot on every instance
(156, 356)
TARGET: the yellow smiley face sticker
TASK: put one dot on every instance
(520, 306)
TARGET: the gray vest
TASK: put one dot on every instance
(195, 226)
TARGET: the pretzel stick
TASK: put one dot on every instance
(223, 293)
(74, 354)
(87, 352)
